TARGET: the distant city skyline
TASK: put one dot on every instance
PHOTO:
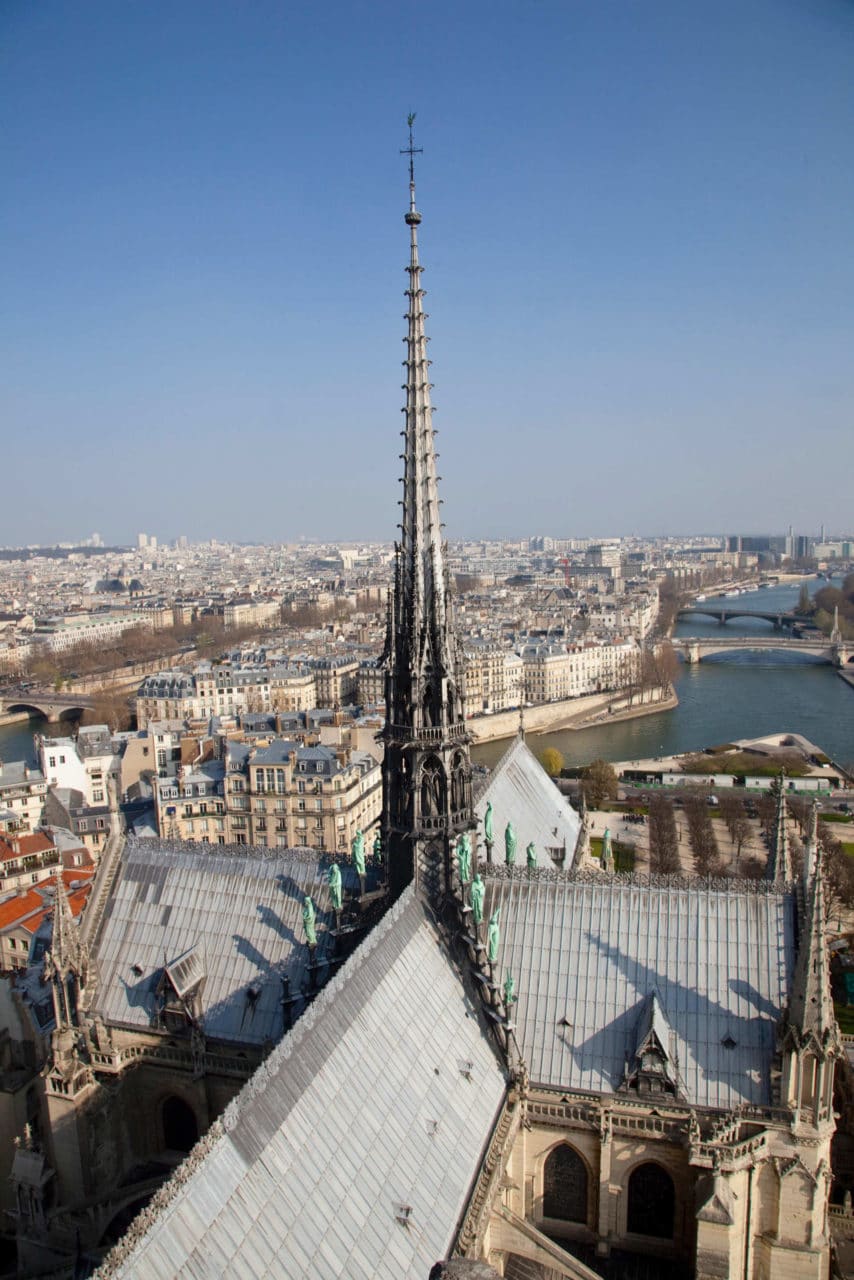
(155, 542)
(637, 246)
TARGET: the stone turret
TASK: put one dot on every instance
(67, 960)
(780, 858)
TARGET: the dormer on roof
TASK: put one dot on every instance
(179, 989)
(652, 1067)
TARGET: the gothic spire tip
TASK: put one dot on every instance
(413, 217)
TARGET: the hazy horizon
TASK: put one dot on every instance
(637, 246)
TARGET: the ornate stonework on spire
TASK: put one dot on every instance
(426, 770)
(780, 858)
(811, 1007)
(811, 1036)
(810, 847)
(67, 961)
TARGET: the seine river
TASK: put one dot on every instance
(743, 695)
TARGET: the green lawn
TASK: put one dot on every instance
(845, 1018)
(624, 857)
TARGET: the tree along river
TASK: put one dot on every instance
(741, 695)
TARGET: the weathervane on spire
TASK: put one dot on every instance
(413, 217)
(411, 151)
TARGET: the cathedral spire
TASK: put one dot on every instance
(426, 766)
(421, 551)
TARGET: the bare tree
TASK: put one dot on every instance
(838, 872)
(766, 807)
(800, 811)
(730, 806)
(734, 814)
(109, 708)
(663, 841)
(707, 858)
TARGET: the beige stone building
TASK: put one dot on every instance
(370, 686)
(292, 689)
(493, 676)
(336, 680)
(552, 671)
(295, 796)
(252, 613)
(280, 795)
(211, 689)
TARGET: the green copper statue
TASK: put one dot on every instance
(378, 847)
(477, 893)
(336, 889)
(358, 851)
(493, 936)
(464, 857)
(308, 922)
(509, 844)
(531, 855)
(488, 832)
(509, 990)
(607, 859)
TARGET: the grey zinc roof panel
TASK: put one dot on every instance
(304, 1173)
(522, 792)
(591, 952)
(242, 915)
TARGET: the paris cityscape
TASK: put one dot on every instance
(418, 871)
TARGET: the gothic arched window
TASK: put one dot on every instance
(432, 788)
(565, 1185)
(652, 1202)
(427, 707)
(459, 783)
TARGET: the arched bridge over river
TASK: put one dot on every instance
(780, 620)
(696, 648)
(47, 703)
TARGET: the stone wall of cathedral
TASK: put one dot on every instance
(639, 1177)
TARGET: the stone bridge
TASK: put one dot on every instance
(696, 648)
(45, 702)
(778, 620)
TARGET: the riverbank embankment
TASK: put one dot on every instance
(13, 717)
(570, 713)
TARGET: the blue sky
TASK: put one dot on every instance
(637, 235)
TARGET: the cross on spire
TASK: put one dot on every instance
(412, 151)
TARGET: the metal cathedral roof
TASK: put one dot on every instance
(521, 791)
(351, 1153)
(586, 953)
(239, 912)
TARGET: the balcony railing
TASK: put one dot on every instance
(441, 822)
(435, 733)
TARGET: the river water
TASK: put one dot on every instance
(741, 695)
